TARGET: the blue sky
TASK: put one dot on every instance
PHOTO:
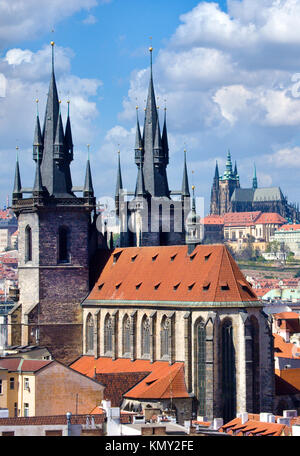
(224, 68)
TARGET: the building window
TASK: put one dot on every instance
(108, 333)
(126, 335)
(146, 336)
(1, 387)
(89, 333)
(201, 367)
(228, 371)
(26, 409)
(26, 384)
(15, 409)
(63, 245)
(11, 383)
(28, 244)
(165, 334)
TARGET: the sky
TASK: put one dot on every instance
(228, 73)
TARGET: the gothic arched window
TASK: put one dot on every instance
(201, 366)
(145, 336)
(108, 333)
(89, 333)
(28, 244)
(165, 333)
(63, 245)
(228, 371)
(126, 335)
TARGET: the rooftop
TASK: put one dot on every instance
(169, 274)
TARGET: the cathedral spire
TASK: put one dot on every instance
(140, 183)
(17, 191)
(254, 181)
(55, 170)
(217, 176)
(38, 139)
(138, 141)
(185, 191)
(68, 136)
(119, 186)
(88, 190)
(164, 139)
(37, 187)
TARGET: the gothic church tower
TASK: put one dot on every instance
(57, 238)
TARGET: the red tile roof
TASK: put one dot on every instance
(213, 220)
(270, 217)
(252, 427)
(26, 365)
(170, 274)
(285, 349)
(289, 380)
(161, 381)
(289, 227)
(117, 384)
(241, 218)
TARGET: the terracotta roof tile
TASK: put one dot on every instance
(287, 381)
(160, 379)
(210, 263)
(252, 427)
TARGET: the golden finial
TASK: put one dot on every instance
(59, 101)
(193, 187)
(37, 100)
(52, 43)
(150, 47)
(136, 107)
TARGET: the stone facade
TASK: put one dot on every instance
(249, 367)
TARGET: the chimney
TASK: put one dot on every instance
(243, 416)
(290, 413)
(286, 421)
(217, 423)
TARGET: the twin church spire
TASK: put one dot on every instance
(152, 152)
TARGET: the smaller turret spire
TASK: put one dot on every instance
(17, 183)
(140, 183)
(254, 181)
(38, 142)
(164, 139)
(37, 187)
(88, 190)
(185, 191)
(68, 136)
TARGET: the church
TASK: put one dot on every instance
(228, 196)
(160, 297)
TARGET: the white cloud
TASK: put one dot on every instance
(24, 19)
(286, 157)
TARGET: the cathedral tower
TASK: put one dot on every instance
(152, 217)
(57, 238)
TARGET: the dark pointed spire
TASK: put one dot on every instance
(68, 136)
(88, 190)
(59, 142)
(157, 139)
(217, 176)
(17, 191)
(185, 191)
(140, 183)
(164, 139)
(119, 184)
(37, 187)
(138, 142)
(55, 169)
(38, 138)
(254, 181)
